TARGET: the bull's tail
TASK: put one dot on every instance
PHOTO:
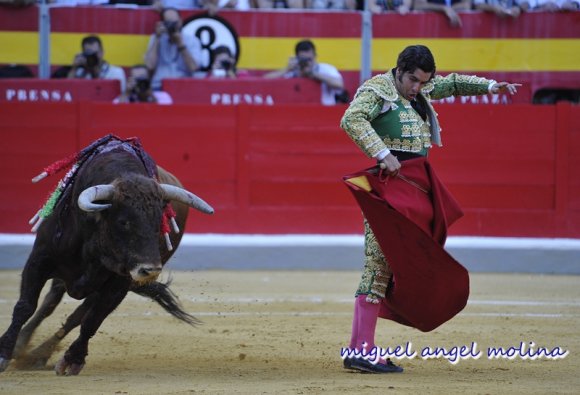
(160, 293)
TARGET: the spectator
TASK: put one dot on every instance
(223, 64)
(403, 7)
(15, 71)
(211, 6)
(177, 4)
(304, 65)
(502, 8)
(330, 4)
(555, 5)
(170, 54)
(90, 63)
(447, 7)
(570, 5)
(526, 5)
(139, 89)
(265, 4)
(17, 3)
(125, 3)
(73, 3)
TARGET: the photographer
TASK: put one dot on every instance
(90, 64)
(223, 63)
(171, 54)
(304, 65)
(139, 89)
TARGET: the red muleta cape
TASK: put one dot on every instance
(409, 215)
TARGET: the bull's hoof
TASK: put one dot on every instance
(63, 368)
(3, 364)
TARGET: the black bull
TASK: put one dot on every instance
(100, 242)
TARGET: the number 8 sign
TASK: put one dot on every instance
(212, 32)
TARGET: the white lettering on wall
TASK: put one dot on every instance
(229, 99)
(483, 99)
(37, 95)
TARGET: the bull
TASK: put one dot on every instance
(101, 241)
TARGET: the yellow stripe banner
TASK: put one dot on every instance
(271, 53)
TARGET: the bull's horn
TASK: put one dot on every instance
(92, 194)
(172, 192)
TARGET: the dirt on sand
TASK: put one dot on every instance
(282, 331)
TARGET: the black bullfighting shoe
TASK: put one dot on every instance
(347, 363)
(365, 366)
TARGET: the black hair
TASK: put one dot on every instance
(303, 46)
(416, 57)
(220, 50)
(91, 40)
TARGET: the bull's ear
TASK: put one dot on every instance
(89, 196)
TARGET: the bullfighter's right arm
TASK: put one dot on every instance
(356, 122)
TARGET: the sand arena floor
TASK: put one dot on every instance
(282, 331)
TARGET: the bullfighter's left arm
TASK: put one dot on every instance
(458, 85)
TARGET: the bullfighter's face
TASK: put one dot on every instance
(410, 84)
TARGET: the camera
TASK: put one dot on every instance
(139, 91)
(91, 59)
(303, 62)
(142, 85)
(171, 27)
(342, 97)
(226, 64)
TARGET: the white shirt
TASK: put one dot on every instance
(170, 63)
(327, 94)
(108, 72)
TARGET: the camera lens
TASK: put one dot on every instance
(142, 84)
(91, 58)
(171, 27)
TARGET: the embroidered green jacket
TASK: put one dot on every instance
(379, 117)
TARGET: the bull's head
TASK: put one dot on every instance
(130, 213)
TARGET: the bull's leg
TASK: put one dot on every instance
(52, 299)
(107, 300)
(92, 280)
(38, 357)
(33, 280)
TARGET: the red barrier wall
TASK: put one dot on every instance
(277, 169)
(43, 90)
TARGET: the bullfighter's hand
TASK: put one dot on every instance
(391, 164)
(505, 86)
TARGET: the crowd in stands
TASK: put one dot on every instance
(172, 55)
(503, 8)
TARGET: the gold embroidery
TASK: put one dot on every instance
(377, 274)
(413, 144)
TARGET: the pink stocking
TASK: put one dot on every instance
(354, 333)
(364, 324)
